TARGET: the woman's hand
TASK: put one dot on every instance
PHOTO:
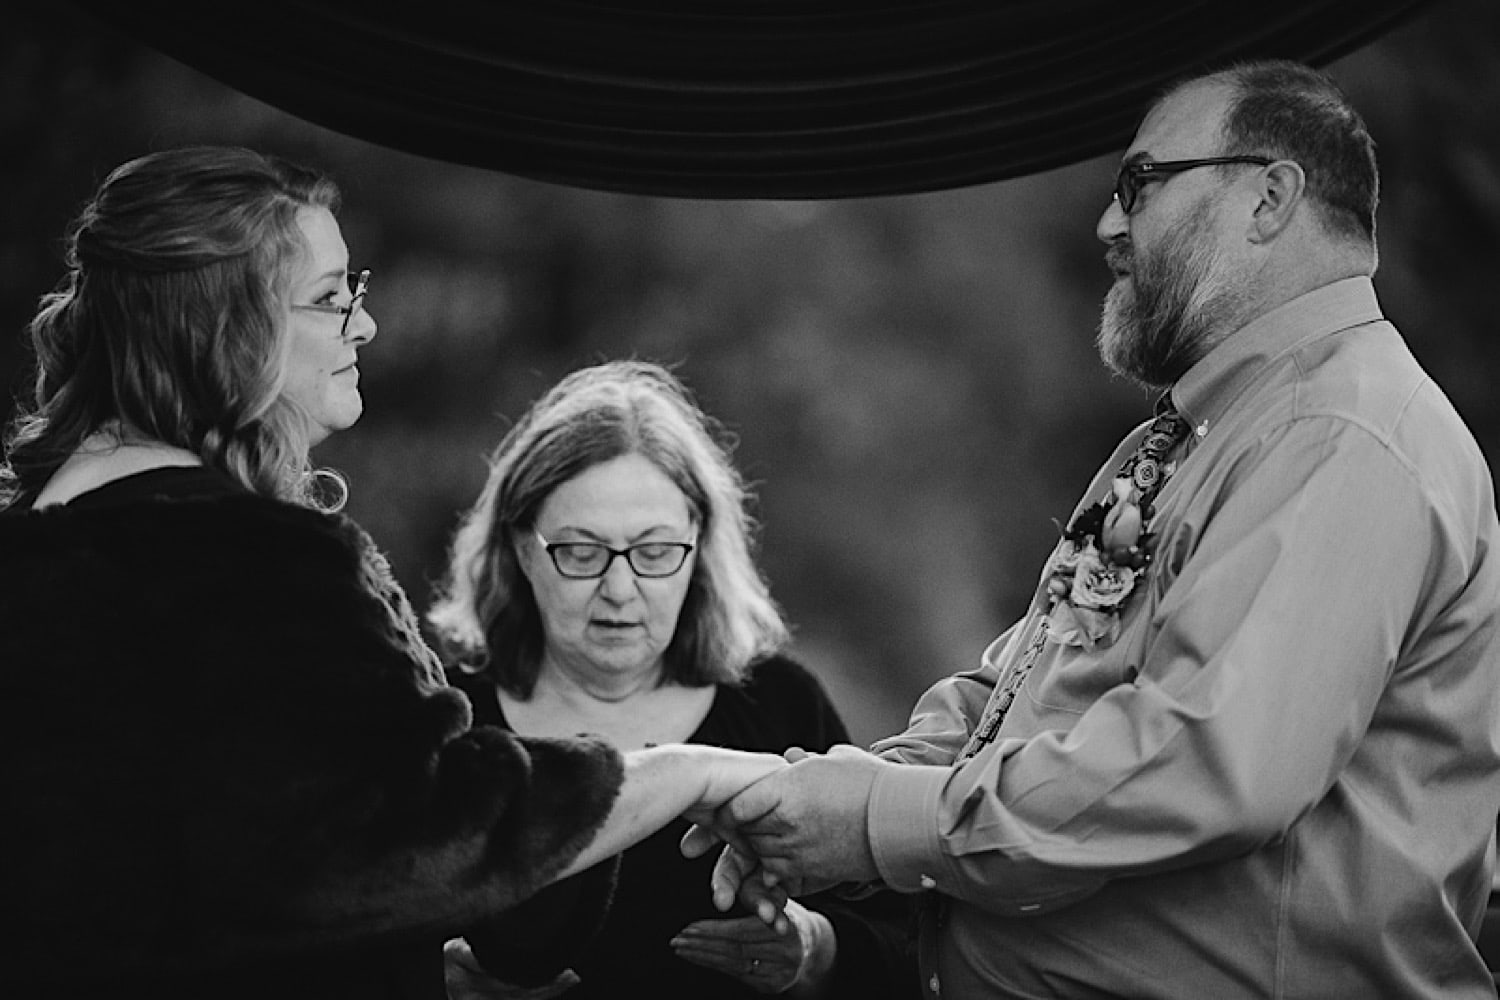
(745, 948)
(671, 780)
(725, 774)
(729, 772)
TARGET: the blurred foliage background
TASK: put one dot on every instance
(912, 380)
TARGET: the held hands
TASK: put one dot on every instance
(805, 826)
(725, 774)
(730, 772)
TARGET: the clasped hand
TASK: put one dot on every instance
(797, 830)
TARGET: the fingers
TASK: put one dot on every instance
(738, 876)
(844, 750)
(754, 803)
(731, 871)
(698, 841)
(456, 952)
(708, 831)
(744, 948)
(766, 900)
(750, 813)
(731, 772)
(739, 931)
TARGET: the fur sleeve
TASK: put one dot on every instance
(225, 737)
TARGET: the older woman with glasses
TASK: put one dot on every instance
(232, 768)
(603, 583)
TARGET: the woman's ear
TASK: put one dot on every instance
(518, 551)
(1282, 186)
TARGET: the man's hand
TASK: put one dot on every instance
(806, 825)
(725, 773)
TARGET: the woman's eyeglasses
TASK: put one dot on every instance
(1133, 176)
(358, 283)
(591, 560)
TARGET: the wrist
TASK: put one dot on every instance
(676, 766)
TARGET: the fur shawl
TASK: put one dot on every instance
(224, 738)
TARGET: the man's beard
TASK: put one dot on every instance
(1158, 321)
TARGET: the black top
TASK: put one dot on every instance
(188, 482)
(169, 483)
(659, 891)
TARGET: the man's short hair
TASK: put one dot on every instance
(1292, 111)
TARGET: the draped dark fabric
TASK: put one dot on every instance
(706, 99)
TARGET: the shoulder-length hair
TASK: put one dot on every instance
(172, 320)
(485, 612)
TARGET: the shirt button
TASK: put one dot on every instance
(927, 882)
(932, 984)
(1202, 429)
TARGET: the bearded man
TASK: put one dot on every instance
(1246, 740)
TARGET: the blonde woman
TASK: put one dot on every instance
(232, 767)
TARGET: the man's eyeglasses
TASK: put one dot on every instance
(1132, 176)
(591, 560)
(358, 283)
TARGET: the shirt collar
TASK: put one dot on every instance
(1208, 388)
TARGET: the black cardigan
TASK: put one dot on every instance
(233, 767)
(781, 704)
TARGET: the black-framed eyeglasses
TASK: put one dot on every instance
(359, 282)
(1133, 176)
(591, 560)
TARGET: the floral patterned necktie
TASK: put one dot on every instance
(1097, 564)
(1109, 544)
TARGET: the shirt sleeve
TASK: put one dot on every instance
(1281, 600)
(946, 714)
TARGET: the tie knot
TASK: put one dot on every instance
(1148, 469)
(1167, 428)
(1165, 407)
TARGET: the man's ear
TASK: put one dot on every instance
(1282, 186)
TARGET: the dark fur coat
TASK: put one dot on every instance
(226, 745)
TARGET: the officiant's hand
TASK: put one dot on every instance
(759, 956)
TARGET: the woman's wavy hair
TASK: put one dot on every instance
(171, 319)
(485, 612)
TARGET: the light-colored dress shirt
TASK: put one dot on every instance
(1281, 780)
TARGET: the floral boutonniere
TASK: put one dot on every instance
(1103, 554)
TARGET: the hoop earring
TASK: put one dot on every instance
(328, 490)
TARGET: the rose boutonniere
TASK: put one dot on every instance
(1096, 566)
